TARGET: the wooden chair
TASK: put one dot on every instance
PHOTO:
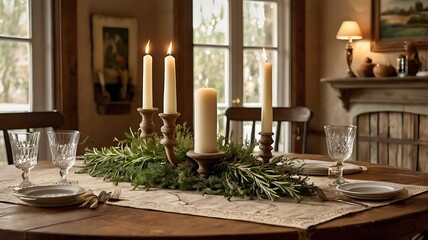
(300, 116)
(27, 120)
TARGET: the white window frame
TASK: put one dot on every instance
(40, 55)
(40, 40)
(236, 50)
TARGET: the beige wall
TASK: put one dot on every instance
(325, 57)
(154, 22)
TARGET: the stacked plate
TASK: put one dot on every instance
(370, 190)
(321, 168)
(50, 196)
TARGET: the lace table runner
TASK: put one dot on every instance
(283, 212)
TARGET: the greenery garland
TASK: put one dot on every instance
(145, 165)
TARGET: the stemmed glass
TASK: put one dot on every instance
(63, 146)
(25, 146)
(340, 142)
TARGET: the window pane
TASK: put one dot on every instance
(14, 18)
(211, 64)
(260, 23)
(211, 21)
(253, 67)
(14, 69)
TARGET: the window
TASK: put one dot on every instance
(229, 37)
(25, 57)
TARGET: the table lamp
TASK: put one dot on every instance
(349, 30)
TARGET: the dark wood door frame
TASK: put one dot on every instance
(65, 60)
(183, 37)
(297, 74)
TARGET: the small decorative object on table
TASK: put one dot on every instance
(63, 146)
(205, 161)
(147, 125)
(340, 142)
(266, 141)
(168, 130)
(25, 146)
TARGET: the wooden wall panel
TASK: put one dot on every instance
(423, 149)
(374, 123)
(409, 135)
(395, 132)
(394, 138)
(363, 129)
(383, 133)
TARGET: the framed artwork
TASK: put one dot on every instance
(114, 60)
(394, 22)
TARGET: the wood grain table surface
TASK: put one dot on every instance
(400, 220)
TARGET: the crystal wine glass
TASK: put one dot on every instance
(63, 146)
(25, 146)
(340, 142)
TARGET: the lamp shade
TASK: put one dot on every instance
(349, 30)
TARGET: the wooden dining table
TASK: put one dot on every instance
(400, 220)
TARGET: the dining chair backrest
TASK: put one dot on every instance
(300, 116)
(27, 121)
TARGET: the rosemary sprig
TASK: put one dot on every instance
(240, 174)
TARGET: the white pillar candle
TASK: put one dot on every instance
(205, 120)
(169, 97)
(147, 80)
(267, 112)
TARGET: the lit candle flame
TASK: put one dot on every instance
(147, 47)
(264, 54)
(206, 82)
(169, 48)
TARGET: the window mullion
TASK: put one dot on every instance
(236, 51)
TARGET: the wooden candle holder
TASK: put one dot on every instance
(266, 141)
(147, 125)
(169, 141)
(205, 161)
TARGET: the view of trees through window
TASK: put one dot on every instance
(14, 55)
(215, 26)
(15, 67)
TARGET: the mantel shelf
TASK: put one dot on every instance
(386, 90)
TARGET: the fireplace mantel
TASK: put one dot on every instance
(386, 90)
(391, 115)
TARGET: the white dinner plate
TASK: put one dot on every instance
(320, 168)
(370, 190)
(50, 196)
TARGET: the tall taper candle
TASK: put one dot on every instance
(267, 112)
(147, 80)
(205, 120)
(170, 97)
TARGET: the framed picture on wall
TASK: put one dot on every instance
(114, 60)
(394, 22)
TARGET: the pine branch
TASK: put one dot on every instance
(239, 173)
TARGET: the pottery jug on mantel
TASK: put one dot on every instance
(381, 70)
(366, 68)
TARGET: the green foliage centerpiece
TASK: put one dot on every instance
(239, 173)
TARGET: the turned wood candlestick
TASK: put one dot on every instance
(147, 125)
(205, 161)
(266, 141)
(169, 141)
